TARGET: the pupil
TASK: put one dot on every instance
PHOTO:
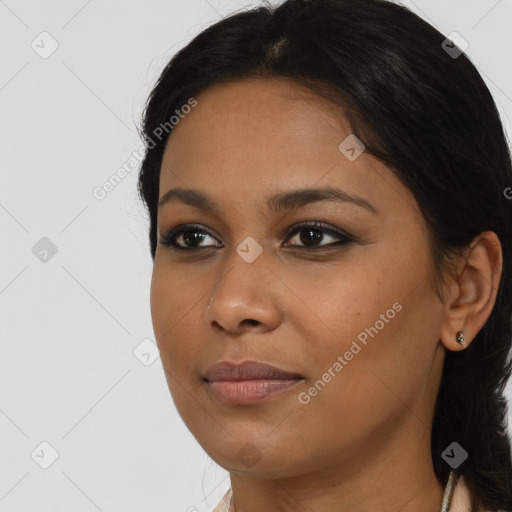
(315, 235)
(196, 237)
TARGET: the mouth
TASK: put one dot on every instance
(248, 382)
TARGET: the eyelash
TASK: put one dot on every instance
(169, 239)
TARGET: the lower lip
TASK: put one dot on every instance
(245, 392)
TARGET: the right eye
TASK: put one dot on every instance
(187, 238)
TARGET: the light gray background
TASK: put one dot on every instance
(69, 325)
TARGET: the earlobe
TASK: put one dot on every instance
(472, 292)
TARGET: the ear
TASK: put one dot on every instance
(470, 294)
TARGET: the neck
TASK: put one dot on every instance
(396, 475)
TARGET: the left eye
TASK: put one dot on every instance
(309, 234)
(313, 233)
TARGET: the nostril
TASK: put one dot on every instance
(250, 322)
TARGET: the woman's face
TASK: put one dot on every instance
(347, 307)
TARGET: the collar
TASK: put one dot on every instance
(461, 499)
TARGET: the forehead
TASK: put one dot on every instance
(260, 110)
(251, 138)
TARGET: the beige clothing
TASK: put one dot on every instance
(460, 499)
(223, 505)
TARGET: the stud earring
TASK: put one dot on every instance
(460, 338)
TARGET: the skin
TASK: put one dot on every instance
(363, 442)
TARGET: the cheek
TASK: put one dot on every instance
(365, 394)
(381, 318)
(173, 304)
(163, 305)
(174, 311)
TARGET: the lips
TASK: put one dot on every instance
(247, 370)
(247, 383)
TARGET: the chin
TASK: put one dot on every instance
(258, 459)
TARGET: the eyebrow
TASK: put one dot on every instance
(277, 203)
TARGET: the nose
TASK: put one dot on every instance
(245, 299)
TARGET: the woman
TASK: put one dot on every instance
(328, 185)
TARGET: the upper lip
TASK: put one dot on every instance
(247, 370)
